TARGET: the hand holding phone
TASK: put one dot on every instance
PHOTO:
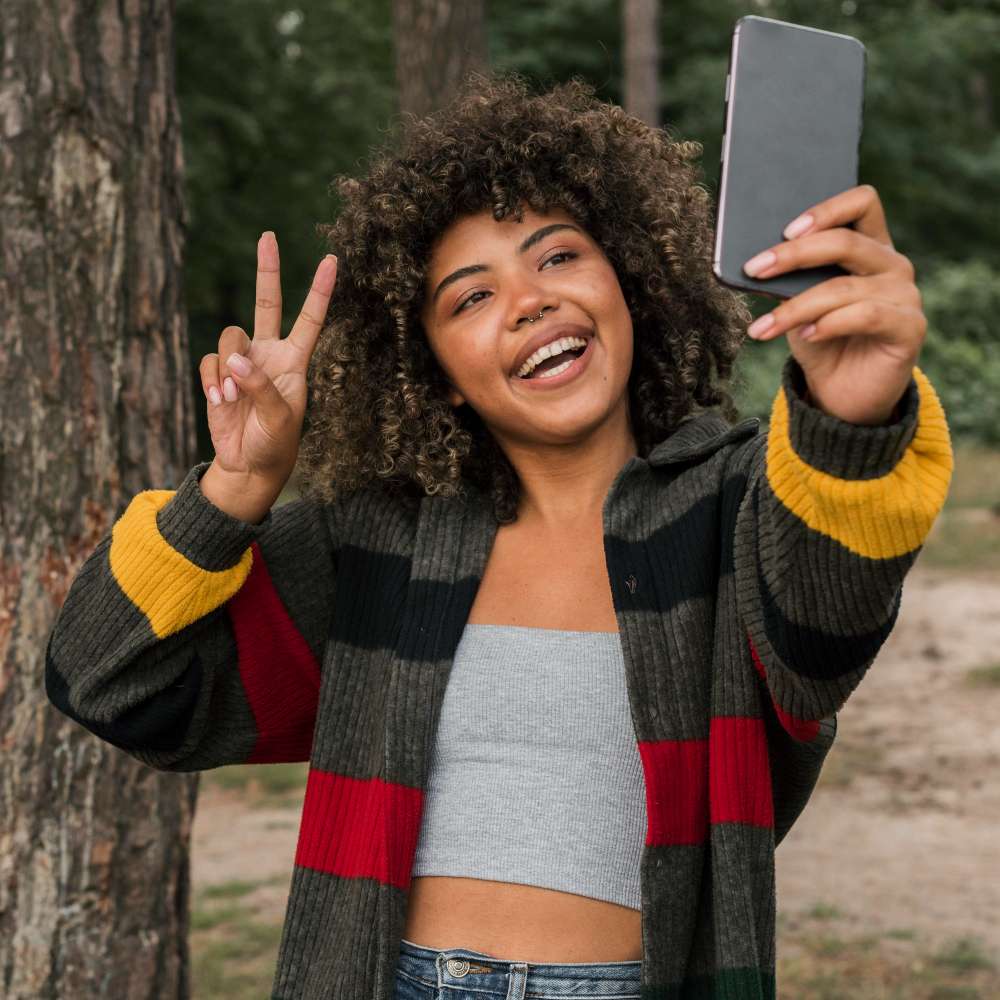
(793, 121)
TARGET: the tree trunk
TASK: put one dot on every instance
(95, 406)
(437, 43)
(642, 51)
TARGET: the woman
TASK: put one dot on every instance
(574, 684)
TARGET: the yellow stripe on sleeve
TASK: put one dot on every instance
(876, 518)
(169, 589)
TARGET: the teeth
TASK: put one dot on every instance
(548, 351)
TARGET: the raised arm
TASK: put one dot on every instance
(833, 517)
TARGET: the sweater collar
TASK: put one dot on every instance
(696, 436)
(699, 436)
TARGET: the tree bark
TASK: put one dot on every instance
(95, 406)
(437, 43)
(642, 52)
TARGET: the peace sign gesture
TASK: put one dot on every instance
(257, 388)
(858, 336)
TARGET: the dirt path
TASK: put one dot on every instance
(903, 830)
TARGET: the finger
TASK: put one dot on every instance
(860, 206)
(267, 305)
(815, 302)
(310, 321)
(272, 409)
(233, 340)
(871, 317)
(853, 251)
(209, 372)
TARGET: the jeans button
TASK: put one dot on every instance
(457, 966)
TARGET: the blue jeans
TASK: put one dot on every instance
(462, 974)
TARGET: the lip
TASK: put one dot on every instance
(542, 338)
(577, 368)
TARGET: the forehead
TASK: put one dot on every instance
(476, 231)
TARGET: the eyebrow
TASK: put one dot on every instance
(535, 237)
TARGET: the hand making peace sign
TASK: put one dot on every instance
(257, 388)
(869, 325)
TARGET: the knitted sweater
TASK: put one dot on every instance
(754, 579)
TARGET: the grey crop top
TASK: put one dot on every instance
(535, 775)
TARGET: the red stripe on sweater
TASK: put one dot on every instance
(279, 672)
(676, 774)
(803, 730)
(740, 772)
(359, 828)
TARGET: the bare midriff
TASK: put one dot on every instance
(520, 923)
(523, 585)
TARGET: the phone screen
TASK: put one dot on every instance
(793, 120)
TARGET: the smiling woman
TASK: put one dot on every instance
(558, 666)
(502, 206)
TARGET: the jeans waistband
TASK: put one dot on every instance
(464, 967)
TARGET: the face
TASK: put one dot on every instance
(484, 280)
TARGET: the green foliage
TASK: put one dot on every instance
(960, 356)
(275, 101)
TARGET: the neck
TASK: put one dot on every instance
(568, 483)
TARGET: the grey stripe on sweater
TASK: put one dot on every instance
(535, 776)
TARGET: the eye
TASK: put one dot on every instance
(465, 302)
(568, 254)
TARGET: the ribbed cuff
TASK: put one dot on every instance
(838, 447)
(208, 536)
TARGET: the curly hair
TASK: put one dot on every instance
(378, 413)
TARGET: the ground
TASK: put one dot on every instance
(887, 885)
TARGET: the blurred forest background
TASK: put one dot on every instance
(276, 99)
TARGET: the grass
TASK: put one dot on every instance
(270, 786)
(963, 539)
(819, 960)
(849, 758)
(966, 534)
(976, 478)
(987, 676)
(234, 950)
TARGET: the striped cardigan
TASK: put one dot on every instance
(754, 579)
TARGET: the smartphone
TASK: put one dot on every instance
(794, 107)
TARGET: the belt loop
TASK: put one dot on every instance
(518, 981)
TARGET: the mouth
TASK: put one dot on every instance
(569, 366)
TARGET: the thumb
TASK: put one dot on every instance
(256, 383)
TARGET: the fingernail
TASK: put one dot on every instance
(229, 389)
(807, 331)
(267, 248)
(239, 364)
(759, 263)
(213, 395)
(759, 326)
(797, 226)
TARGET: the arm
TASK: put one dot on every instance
(833, 517)
(192, 639)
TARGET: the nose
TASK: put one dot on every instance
(529, 302)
